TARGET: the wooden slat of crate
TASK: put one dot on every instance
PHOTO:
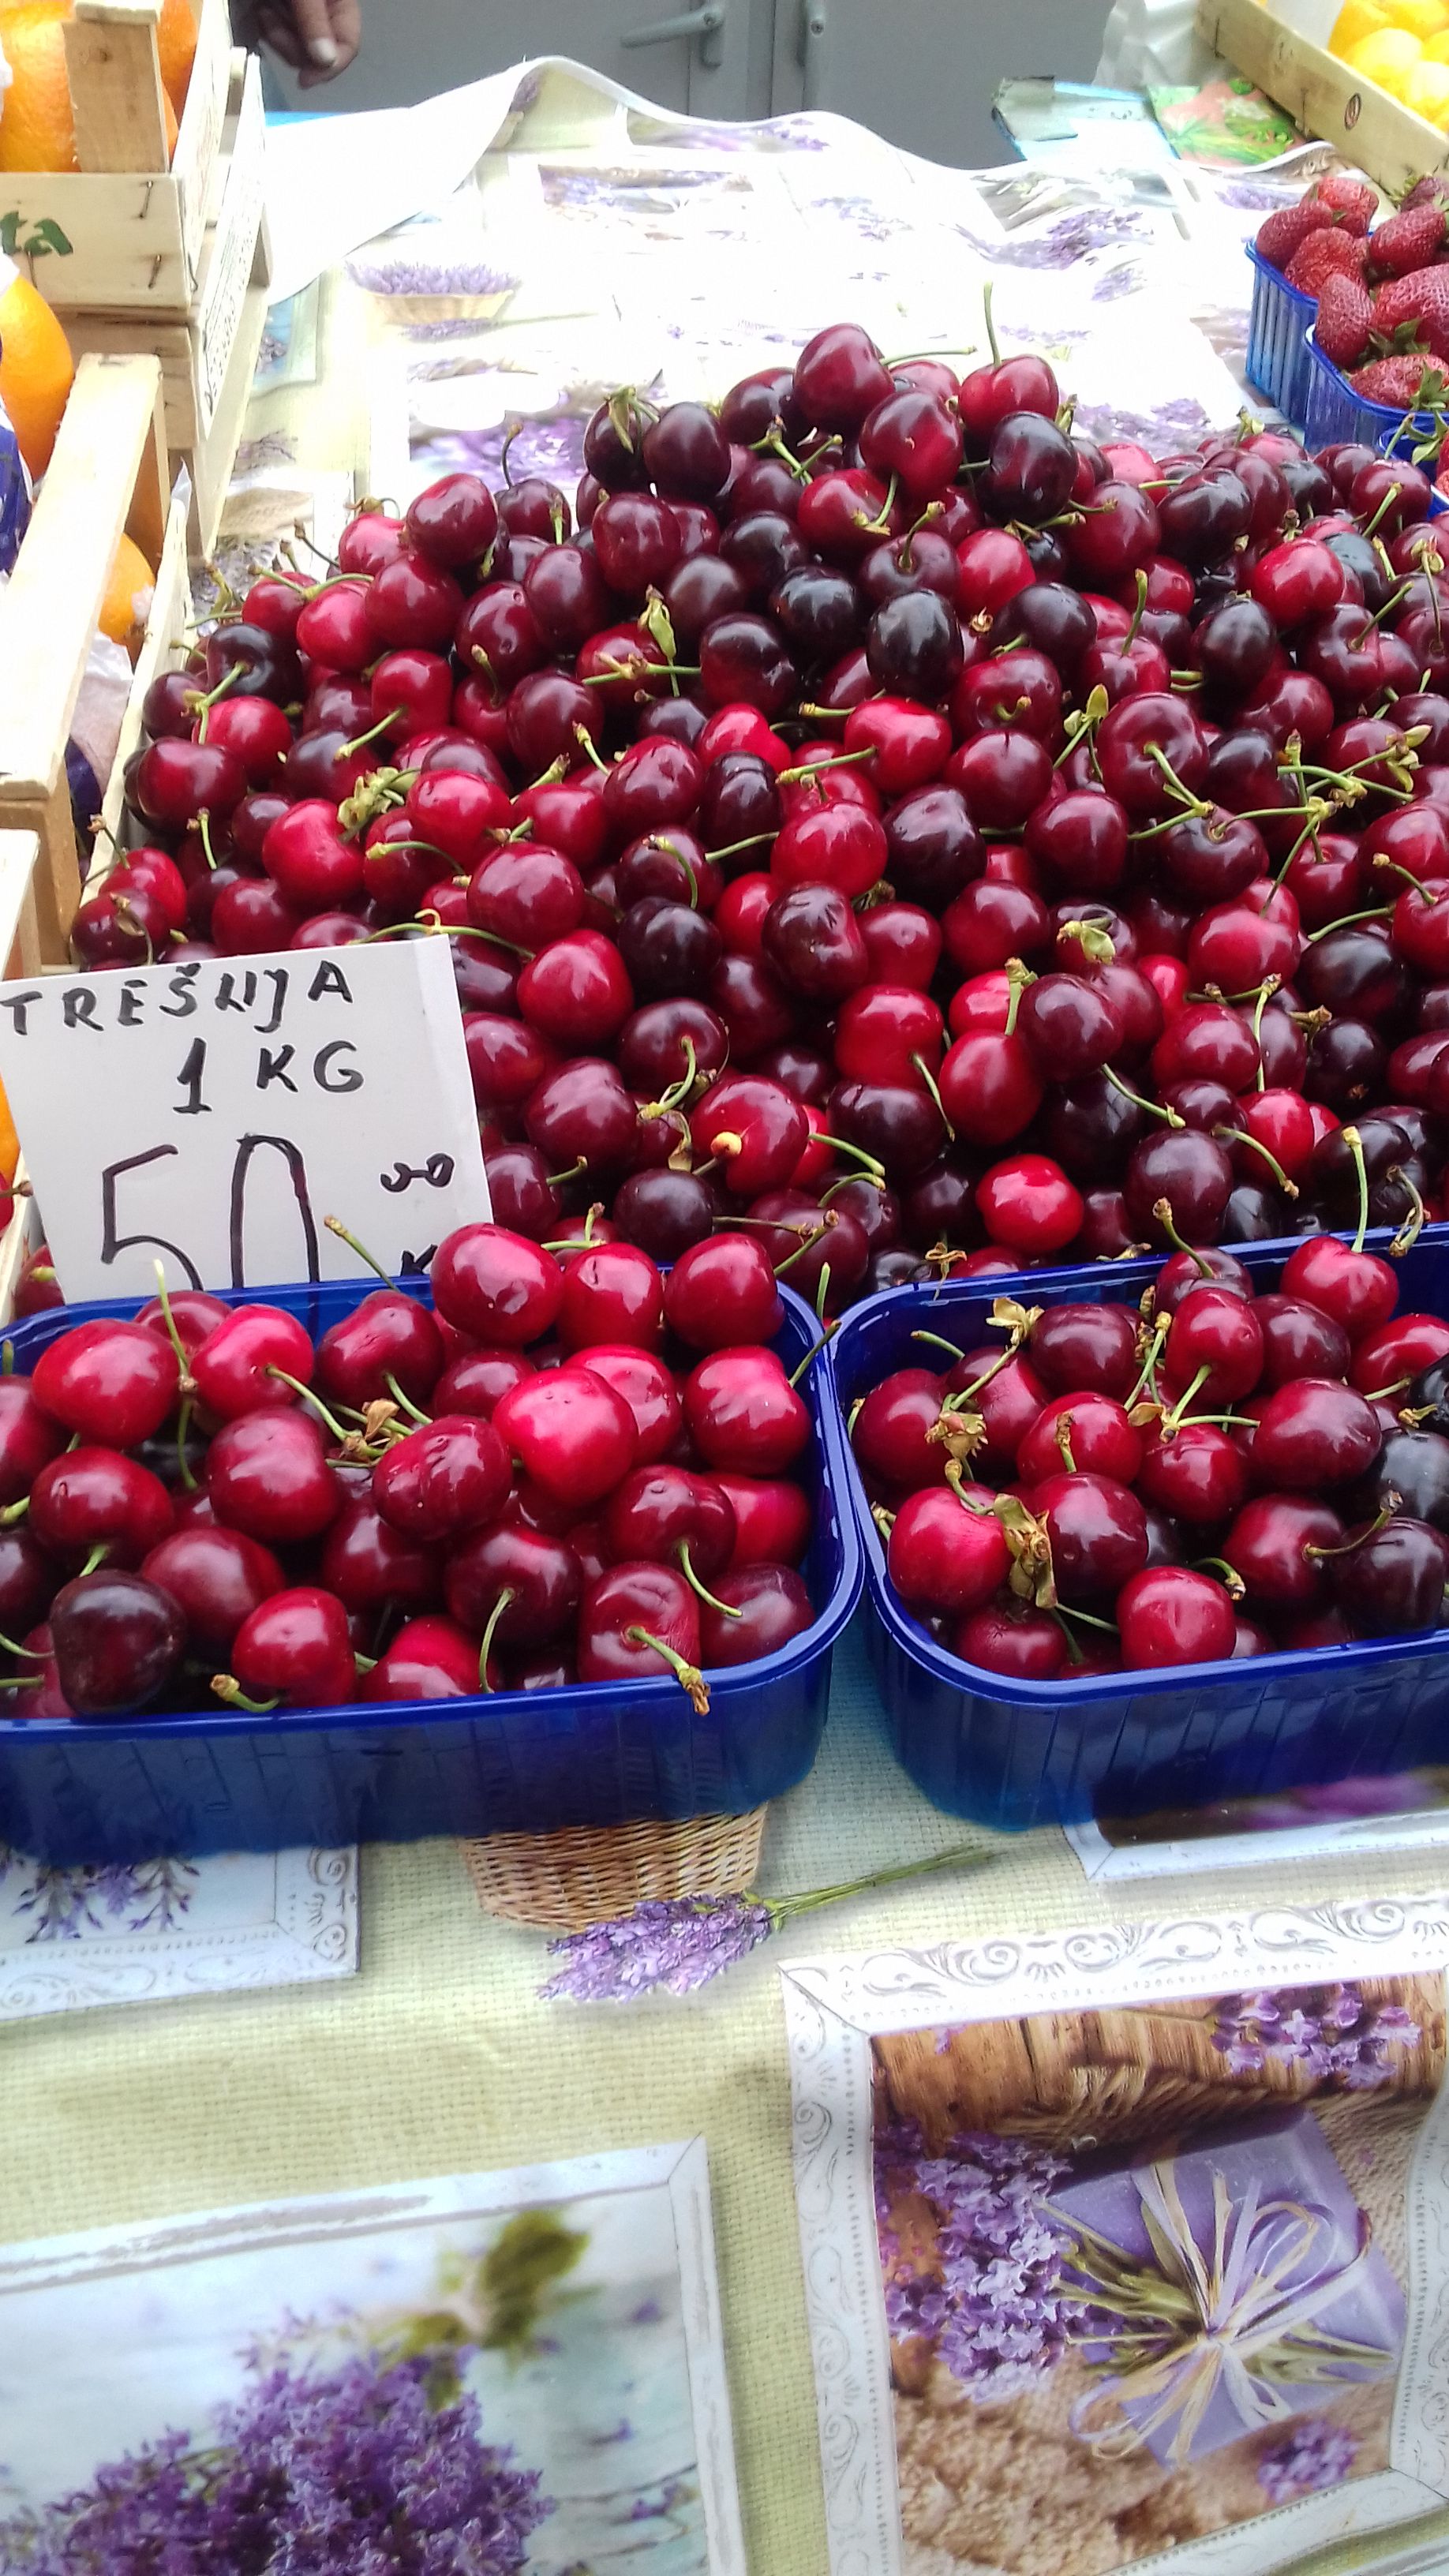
(167, 638)
(118, 237)
(1323, 96)
(109, 472)
(208, 360)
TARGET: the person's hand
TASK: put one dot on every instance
(318, 38)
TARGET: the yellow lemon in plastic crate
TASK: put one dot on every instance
(1426, 91)
(1386, 55)
(1437, 48)
(1421, 18)
(1355, 20)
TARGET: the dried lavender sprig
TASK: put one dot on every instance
(1313, 2456)
(678, 1943)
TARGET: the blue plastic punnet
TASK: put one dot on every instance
(509, 1762)
(1012, 1754)
(1337, 415)
(1278, 324)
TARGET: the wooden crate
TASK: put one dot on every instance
(20, 954)
(1323, 96)
(208, 357)
(109, 472)
(125, 231)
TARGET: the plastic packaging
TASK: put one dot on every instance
(512, 1761)
(1012, 1754)
(1336, 415)
(1278, 361)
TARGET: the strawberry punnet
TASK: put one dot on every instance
(1345, 321)
(1327, 254)
(1284, 232)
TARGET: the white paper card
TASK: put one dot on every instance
(211, 1115)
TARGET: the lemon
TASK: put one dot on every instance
(1421, 18)
(1355, 20)
(1386, 55)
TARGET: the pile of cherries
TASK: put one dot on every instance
(1209, 1475)
(888, 819)
(567, 1470)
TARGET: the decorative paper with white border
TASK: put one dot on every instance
(73, 1938)
(834, 2006)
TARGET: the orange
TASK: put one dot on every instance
(37, 129)
(176, 39)
(9, 1142)
(37, 125)
(36, 370)
(127, 603)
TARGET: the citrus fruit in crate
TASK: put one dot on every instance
(127, 603)
(37, 123)
(176, 43)
(1355, 20)
(36, 367)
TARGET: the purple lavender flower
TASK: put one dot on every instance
(354, 2472)
(1330, 2031)
(1315, 2455)
(680, 1942)
(988, 2294)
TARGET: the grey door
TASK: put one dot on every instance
(922, 72)
(411, 49)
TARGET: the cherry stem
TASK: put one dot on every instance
(1154, 1108)
(1174, 1420)
(1063, 1438)
(1162, 1210)
(940, 1343)
(1088, 1618)
(335, 1226)
(689, 1677)
(584, 1242)
(203, 826)
(168, 1319)
(686, 1567)
(97, 1556)
(14, 1511)
(1240, 1136)
(814, 1351)
(556, 1180)
(880, 526)
(871, 1163)
(183, 1463)
(1233, 1582)
(405, 1402)
(1139, 612)
(308, 1397)
(809, 1237)
(732, 849)
(991, 341)
(1350, 1137)
(34, 1652)
(813, 769)
(1386, 1511)
(1379, 1394)
(822, 1291)
(230, 1690)
(1393, 494)
(360, 741)
(1018, 976)
(675, 1093)
(1376, 912)
(494, 1615)
(585, 741)
(1414, 1222)
(1156, 753)
(929, 1079)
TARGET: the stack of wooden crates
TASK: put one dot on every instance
(144, 251)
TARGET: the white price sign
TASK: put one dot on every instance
(212, 1114)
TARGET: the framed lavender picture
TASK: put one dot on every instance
(506, 2374)
(1124, 2247)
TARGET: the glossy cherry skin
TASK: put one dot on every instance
(948, 1551)
(1269, 1543)
(443, 1479)
(295, 1650)
(1393, 1579)
(238, 1367)
(613, 1295)
(117, 1640)
(496, 1286)
(773, 1519)
(659, 1515)
(773, 1607)
(1357, 1289)
(649, 1598)
(1028, 1645)
(1397, 1351)
(431, 1658)
(93, 1497)
(1083, 1432)
(216, 1577)
(572, 1433)
(542, 1574)
(743, 1414)
(109, 1381)
(388, 1341)
(268, 1476)
(1214, 1342)
(1097, 1532)
(1028, 1204)
(1299, 1340)
(28, 1440)
(647, 1386)
(890, 1432)
(755, 1130)
(1197, 1473)
(1170, 1615)
(371, 1566)
(721, 1292)
(576, 991)
(1086, 1346)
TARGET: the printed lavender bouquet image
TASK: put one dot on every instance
(1144, 2269)
(500, 2375)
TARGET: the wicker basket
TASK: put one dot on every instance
(589, 1873)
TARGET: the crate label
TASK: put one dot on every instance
(43, 236)
(211, 1115)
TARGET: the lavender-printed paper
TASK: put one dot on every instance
(138, 1932)
(1122, 2247)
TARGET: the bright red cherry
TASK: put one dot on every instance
(572, 1433)
(251, 1360)
(948, 1550)
(443, 1479)
(294, 1651)
(743, 1414)
(108, 1381)
(1170, 1615)
(496, 1286)
(217, 1578)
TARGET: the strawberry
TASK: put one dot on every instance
(1345, 319)
(1407, 241)
(1323, 255)
(1432, 191)
(1280, 236)
(1352, 202)
(1420, 301)
(1405, 382)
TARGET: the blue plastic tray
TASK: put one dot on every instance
(1012, 1754)
(1278, 361)
(515, 1762)
(1336, 415)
